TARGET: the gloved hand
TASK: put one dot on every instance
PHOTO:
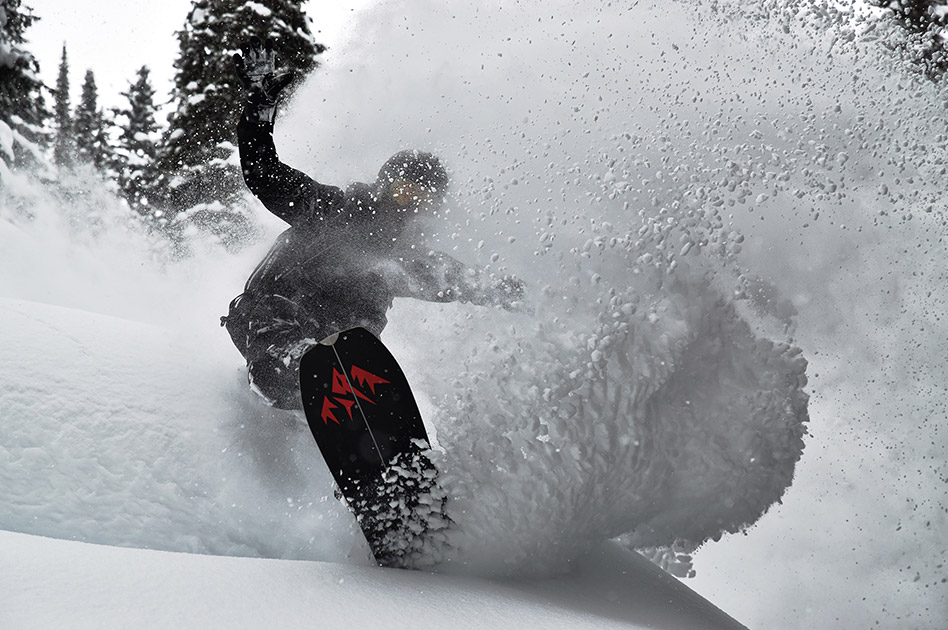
(256, 72)
(510, 290)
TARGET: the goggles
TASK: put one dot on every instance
(406, 193)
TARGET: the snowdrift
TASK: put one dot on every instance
(115, 432)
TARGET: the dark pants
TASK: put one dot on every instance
(272, 333)
(270, 336)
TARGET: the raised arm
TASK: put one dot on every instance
(286, 192)
(437, 277)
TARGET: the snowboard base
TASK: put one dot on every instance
(361, 411)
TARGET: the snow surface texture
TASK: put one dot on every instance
(105, 411)
(56, 584)
(689, 193)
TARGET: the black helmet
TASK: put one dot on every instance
(417, 167)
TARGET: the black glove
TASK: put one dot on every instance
(510, 290)
(256, 72)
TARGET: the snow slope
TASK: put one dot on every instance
(49, 583)
(115, 434)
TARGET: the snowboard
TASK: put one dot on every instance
(361, 411)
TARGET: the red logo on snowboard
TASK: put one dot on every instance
(346, 395)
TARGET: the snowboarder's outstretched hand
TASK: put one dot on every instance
(510, 290)
(256, 70)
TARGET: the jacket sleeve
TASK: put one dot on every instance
(437, 277)
(286, 192)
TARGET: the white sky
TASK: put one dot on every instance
(114, 38)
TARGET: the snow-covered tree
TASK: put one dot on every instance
(64, 149)
(926, 25)
(23, 112)
(138, 178)
(91, 129)
(199, 150)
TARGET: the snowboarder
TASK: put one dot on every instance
(347, 254)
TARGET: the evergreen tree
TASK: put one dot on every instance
(64, 147)
(199, 151)
(89, 123)
(925, 22)
(23, 112)
(137, 146)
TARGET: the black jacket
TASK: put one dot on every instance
(344, 258)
